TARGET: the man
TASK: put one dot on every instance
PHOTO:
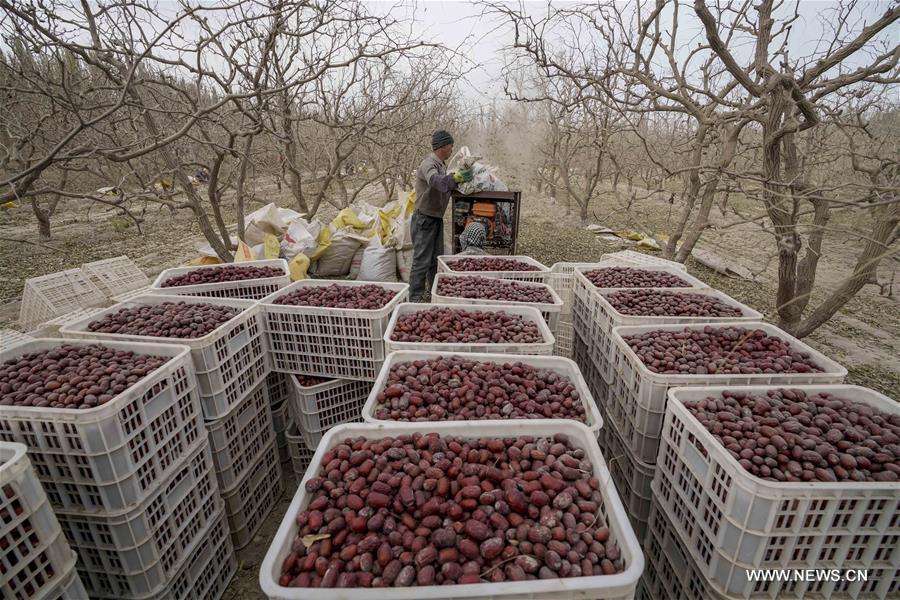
(433, 187)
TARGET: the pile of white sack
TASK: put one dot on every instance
(363, 242)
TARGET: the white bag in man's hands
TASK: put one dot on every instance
(484, 178)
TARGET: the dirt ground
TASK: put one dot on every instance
(863, 336)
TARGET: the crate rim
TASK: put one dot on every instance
(78, 331)
(13, 461)
(174, 352)
(563, 264)
(593, 411)
(695, 283)
(269, 303)
(871, 398)
(832, 368)
(751, 316)
(530, 311)
(621, 583)
(542, 268)
(264, 262)
(555, 306)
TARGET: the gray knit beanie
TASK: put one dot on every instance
(440, 138)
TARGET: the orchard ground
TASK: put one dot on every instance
(864, 335)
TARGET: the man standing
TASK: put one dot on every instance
(433, 186)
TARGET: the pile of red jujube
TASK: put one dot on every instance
(72, 376)
(789, 435)
(365, 297)
(490, 264)
(432, 510)
(168, 319)
(628, 277)
(488, 288)
(660, 303)
(718, 351)
(457, 326)
(460, 389)
(309, 380)
(222, 274)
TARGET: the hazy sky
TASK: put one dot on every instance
(481, 37)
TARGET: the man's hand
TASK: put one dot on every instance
(463, 175)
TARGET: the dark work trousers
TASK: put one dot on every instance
(428, 244)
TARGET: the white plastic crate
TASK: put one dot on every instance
(313, 426)
(279, 388)
(526, 312)
(133, 553)
(69, 588)
(251, 500)
(562, 277)
(631, 476)
(550, 311)
(35, 559)
(586, 296)
(445, 262)
(732, 521)
(641, 259)
(329, 342)
(561, 366)
(111, 456)
(638, 396)
(620, 586)
(317, 406)
(207, 569)
(239, 438)
(598, 387)
(669, 571)
(301, 455)
(50, 296)
(203, 572)
(604, 317)
(11, 337)
(250, 289)
(565, 337)
(117, 275)
(228, 361)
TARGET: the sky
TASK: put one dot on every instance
(482, 37)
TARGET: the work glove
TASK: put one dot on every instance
(463, 175)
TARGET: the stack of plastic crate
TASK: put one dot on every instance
(562, 280)
(721, 523)
(132, 480)
(35, 558)
(231, 366)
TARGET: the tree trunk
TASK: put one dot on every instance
(241, 182)
(875, 248)
(692, 190)
(43, 220)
